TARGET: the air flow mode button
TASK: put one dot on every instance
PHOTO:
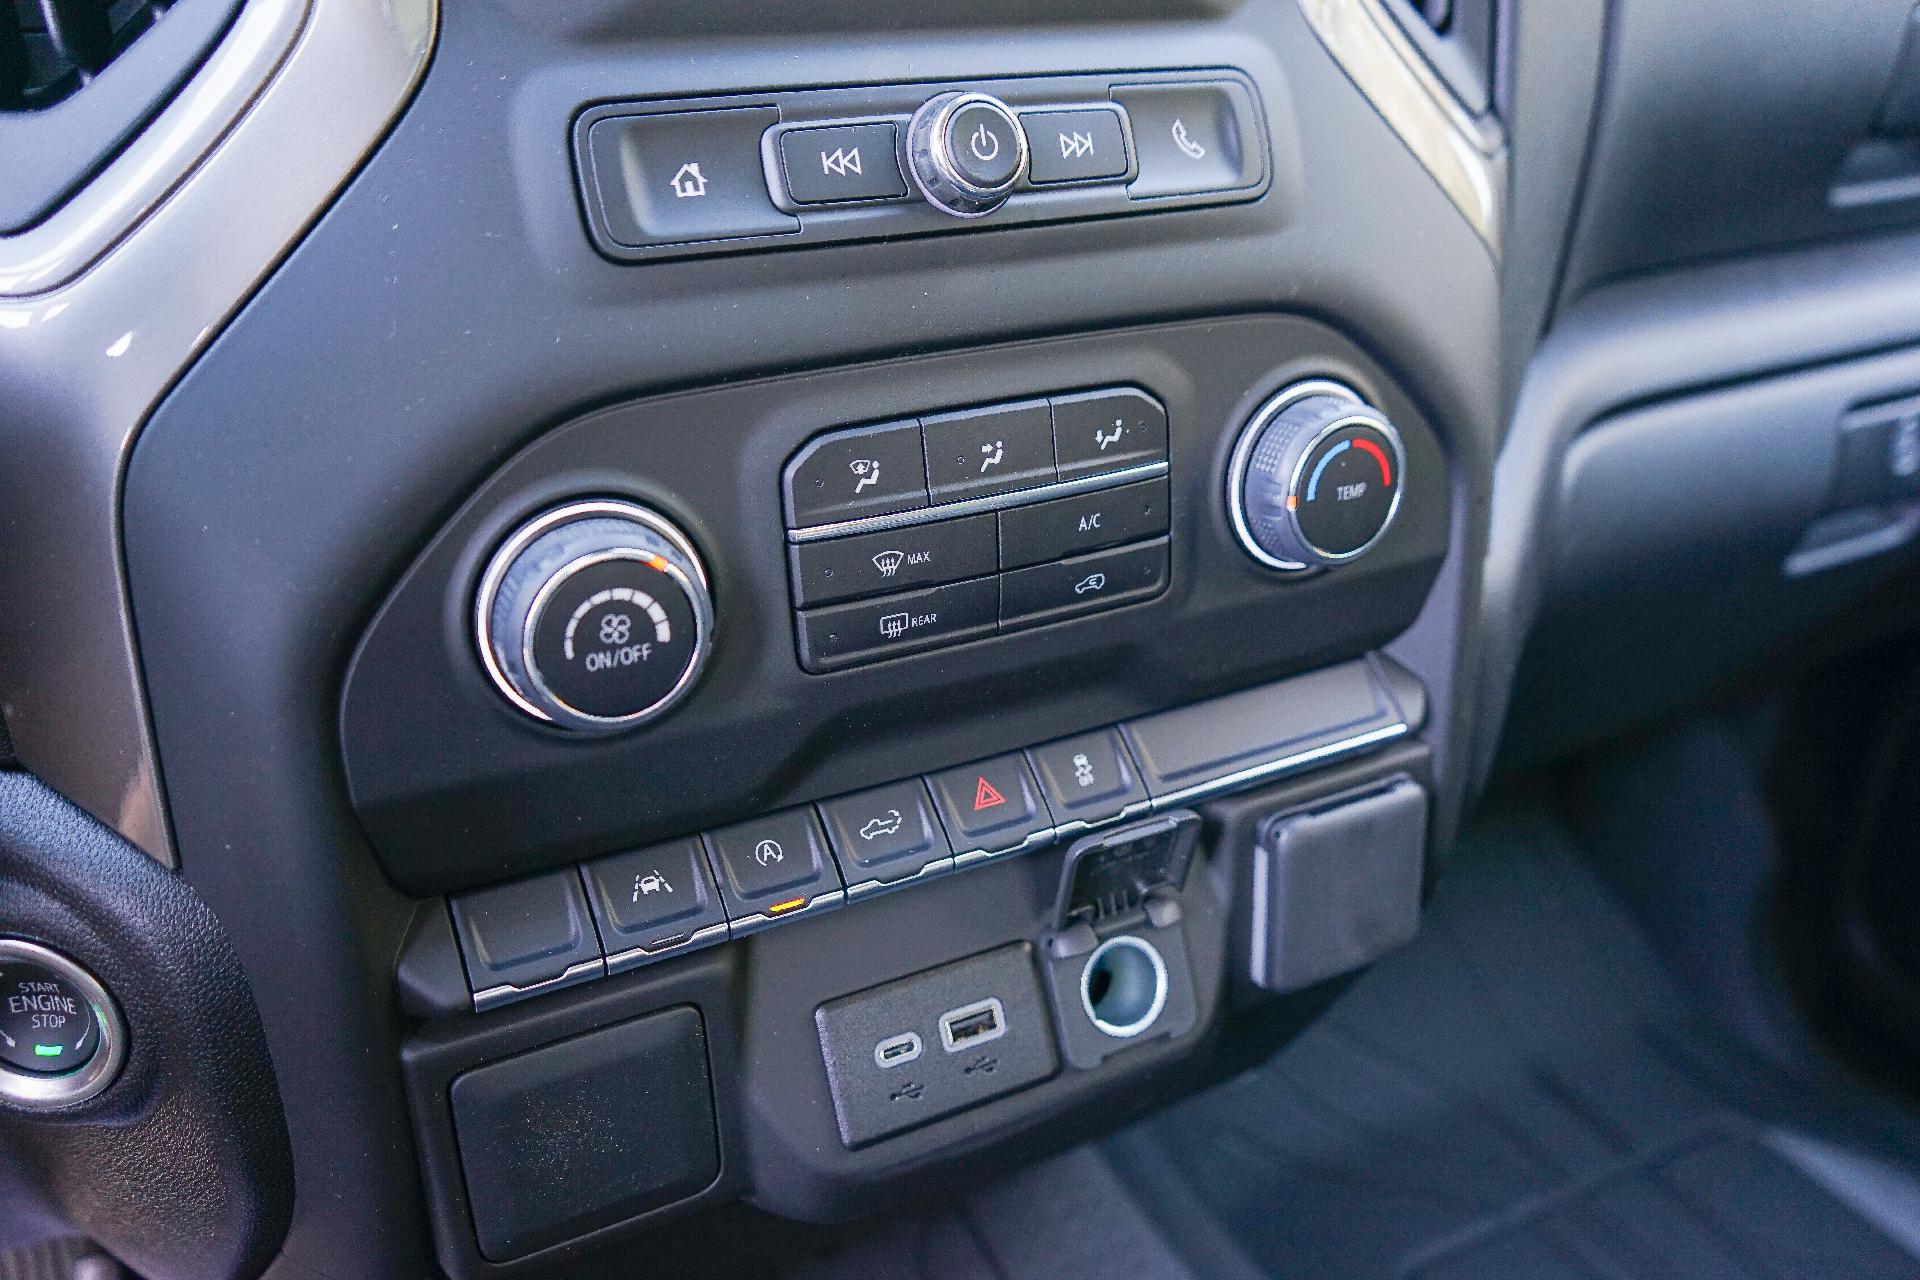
(872, 471)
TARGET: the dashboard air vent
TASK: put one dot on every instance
(1437, 14)
(1456, 37)
(50, 49)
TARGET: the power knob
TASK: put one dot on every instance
(966, 152)
(1315, 479)
(596, 616)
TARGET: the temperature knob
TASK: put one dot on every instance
(1315, 479)
(595, 616)
(966, 152)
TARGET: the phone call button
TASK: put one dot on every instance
(1192, 137)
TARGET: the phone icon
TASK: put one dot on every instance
(1184, 140)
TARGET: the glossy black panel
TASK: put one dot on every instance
(458, 788)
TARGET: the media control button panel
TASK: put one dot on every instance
(794, 167)
(986, 527)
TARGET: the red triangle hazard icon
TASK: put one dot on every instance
(985, 796)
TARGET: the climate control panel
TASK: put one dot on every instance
(670, 613)
(927, 532)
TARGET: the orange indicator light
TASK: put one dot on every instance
(791, 904)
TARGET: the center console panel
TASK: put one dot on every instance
(866, 750)
(1070, 592)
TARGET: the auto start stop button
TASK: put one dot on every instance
(61, 1039)
(45, 1024)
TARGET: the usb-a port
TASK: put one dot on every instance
(972, 1024)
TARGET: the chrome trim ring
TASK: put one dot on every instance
(1140, 946)
(47, 1092)
(930, 159)
(695, 586)
(1243, 451)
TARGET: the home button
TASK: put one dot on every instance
(679, 177)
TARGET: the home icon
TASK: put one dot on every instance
(689, 182)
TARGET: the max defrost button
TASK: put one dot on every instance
(1191, 138)
(683, 176)
(888, 833)
(848, 634)
(774, 866)
(993, 805)
(653, 900)
(844, 162)
(897, 560)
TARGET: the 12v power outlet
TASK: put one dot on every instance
(1124, 986)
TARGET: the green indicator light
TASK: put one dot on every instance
(48, 1050)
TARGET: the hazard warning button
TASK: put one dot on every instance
(991, 806)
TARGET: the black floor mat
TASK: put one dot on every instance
(1523, 1092)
